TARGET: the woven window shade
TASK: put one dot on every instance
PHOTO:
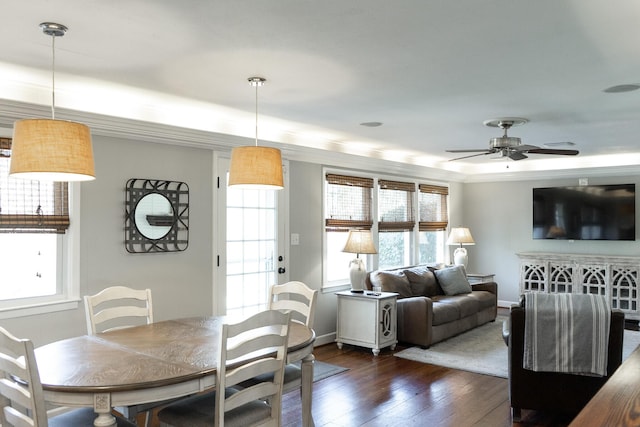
(30, 206)
(395, 206)
(432, 201)
(349, 203)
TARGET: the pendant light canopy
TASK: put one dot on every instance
(254, 167)
(50, 149)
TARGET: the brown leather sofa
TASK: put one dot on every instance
(551, 391)
(426, 314)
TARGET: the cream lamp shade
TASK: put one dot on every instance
(256, 167)
(51, 150)
(358, 242)
(460, 236)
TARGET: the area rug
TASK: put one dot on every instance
(482, 350)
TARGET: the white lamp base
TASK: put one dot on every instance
(460, 257)
(357, 273)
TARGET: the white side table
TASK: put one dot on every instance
(367, 320)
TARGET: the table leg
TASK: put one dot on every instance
(306, 389)
(102, 406)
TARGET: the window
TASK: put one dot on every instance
(348, 205)
(395, 223)
(433, 223)
(34, 219)
(410, 228)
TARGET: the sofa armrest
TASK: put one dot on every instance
(489, 287)
(415, 316)
(486, 286)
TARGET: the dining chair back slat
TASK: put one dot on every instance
(117, 307)
(297, 297)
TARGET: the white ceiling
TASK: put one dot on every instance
(430, 71)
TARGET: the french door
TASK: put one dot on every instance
(252, 255)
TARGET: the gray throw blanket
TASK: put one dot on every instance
(566, 333)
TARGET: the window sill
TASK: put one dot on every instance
(331, 288)
(41, 308)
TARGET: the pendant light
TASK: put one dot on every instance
(255, 167)
(50, 149)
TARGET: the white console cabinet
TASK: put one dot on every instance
(615, 277)
(367, 320)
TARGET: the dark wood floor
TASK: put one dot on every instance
(390, 391)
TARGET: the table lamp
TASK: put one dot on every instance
(460, 236)
(358, 242)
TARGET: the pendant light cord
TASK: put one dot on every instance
(257, 114)
(53, 77)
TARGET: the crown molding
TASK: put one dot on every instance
(118, 127)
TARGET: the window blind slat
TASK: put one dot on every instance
(395, 205)
(433, 209)
(348, 202)
(30, 206)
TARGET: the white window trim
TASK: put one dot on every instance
(69, 299)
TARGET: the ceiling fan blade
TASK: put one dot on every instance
(524, 147)
(554, 151)
(484, 153)
(467, 151)
(516, 155)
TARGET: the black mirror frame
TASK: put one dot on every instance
(177, 238)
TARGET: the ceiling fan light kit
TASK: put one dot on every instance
(510, 146)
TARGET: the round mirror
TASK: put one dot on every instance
(154, 216)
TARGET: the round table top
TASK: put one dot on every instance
(155, 355)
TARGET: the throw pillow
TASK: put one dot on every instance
(392, 281)
(453, 280)
(422, 282)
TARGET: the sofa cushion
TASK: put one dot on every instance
(485, 299)
(422, 281)
(453, 281)
(444, 313)
(392, 281)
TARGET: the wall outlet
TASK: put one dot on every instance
(295, 239)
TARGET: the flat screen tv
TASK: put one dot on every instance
(588, 212)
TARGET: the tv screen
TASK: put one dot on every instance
(588, 212)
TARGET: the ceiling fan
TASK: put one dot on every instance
(512, 147)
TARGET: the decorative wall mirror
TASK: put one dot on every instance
(157, 216)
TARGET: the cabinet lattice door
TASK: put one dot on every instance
(614, 277)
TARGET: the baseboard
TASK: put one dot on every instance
(506, 304)
(325, 339)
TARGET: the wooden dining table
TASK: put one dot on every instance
(149, 363)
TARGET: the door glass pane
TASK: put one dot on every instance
(251, 249)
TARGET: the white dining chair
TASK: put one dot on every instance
(117, 307)
(253, 347)
(22, 401)
(297, 297)
(301, 301)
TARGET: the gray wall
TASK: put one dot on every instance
(180, 281)
(499, 215)
(305, 216)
